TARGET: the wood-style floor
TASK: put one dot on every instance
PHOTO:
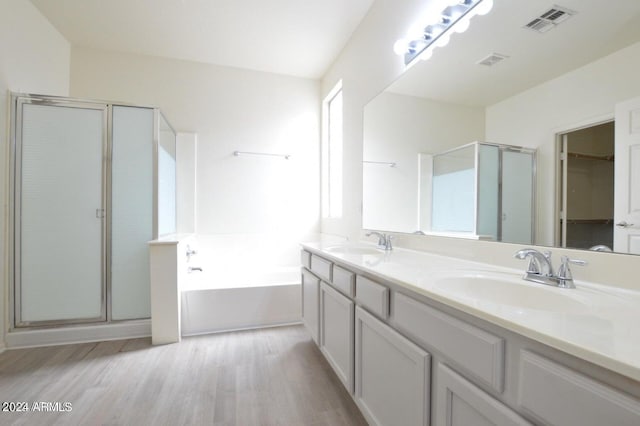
(272, 376)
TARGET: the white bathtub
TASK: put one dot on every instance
(224, 296)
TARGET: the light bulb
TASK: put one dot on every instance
(443, 40)
(416, 32)
(400, 47)
(484, 7)
(433, 17)
(426, 54)
(443, 4)
(436, 30)
(462, 25)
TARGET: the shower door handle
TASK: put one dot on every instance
(99, 213)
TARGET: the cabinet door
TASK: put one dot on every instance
(460, 403)
(336, 333)
(392, 375)
(310, 303)
(556, 395)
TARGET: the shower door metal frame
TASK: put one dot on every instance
(15, 193)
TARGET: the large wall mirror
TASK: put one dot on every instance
(567, 91)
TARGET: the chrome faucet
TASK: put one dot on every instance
(539, 263)
(384, 241)
(540, 269)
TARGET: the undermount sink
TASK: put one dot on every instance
(354, 249)
(513, 291)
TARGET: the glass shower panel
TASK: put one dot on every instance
(517, 197)
(454, 195)
(60, 223)
(166, 179)
(132, 211)
(425, 176)
(488, 190)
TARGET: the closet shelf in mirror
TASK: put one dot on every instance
(589, 221)
(580, 156)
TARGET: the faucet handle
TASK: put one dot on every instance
(565, 277)
(388, 246)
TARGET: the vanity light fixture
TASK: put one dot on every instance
(435, 32)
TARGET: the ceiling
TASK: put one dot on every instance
(291, 37)
(599, 27)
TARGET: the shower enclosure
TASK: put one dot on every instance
(91, 184)
(485, 190)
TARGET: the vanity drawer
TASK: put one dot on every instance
(305, 259)
(321, 267)
(373, 296)
(344, 280)
(557, 395)
(472, 350)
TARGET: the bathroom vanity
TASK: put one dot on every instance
(420, 339)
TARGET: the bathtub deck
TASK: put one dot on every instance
(272, 376)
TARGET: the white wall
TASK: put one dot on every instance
(34, 58)
(533, 118)
(229, 109)
(186, 153)
(396, 129)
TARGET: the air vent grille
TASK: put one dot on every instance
(550, 19)
(492, 59)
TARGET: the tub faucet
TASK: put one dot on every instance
(384, 241)
(194, 268)
(540, 270)
(190, 252)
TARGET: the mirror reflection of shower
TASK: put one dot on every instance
(481, 190)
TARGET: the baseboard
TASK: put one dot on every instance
(78, 334)
(254, 327)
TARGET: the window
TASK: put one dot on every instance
(332, 154)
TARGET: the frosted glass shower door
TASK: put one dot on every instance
(60, 214)
(517, 197)
(132, 217)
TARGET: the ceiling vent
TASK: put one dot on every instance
(550, 19)
(492, 59)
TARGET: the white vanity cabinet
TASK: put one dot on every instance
(410, 360)
(392, 375)
(310, 303)
(336, 332)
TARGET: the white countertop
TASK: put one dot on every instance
(596, 323)
(169, 239)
